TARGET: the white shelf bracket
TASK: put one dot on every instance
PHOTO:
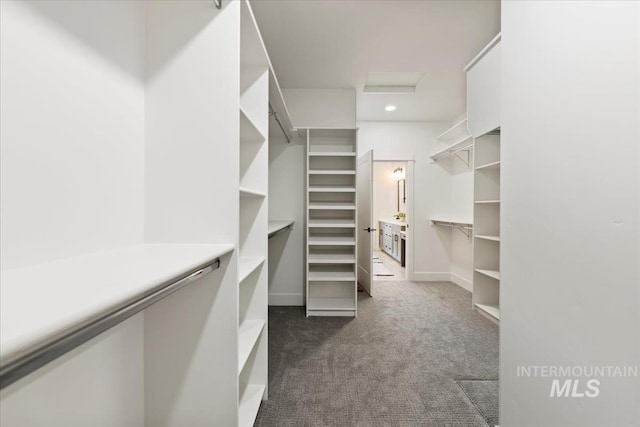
(466, 161)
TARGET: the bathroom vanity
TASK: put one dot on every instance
(392, 233)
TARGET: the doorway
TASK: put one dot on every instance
(385, 213)
(389, 250)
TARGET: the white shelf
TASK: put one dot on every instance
(332, 259)
(331, 172)
(492, 165)
(340, 189)
(334, 304)
(462, 144)
(481, 202)
(332, 276)
(451, 223)
(332, 154)
(332, 206)
(276, 226)
(247, 192)
(248, 265)
(331, 241)
(249, 405)
(491, 310)
(248, 335)
(491, 273)
(454, 131)
(485, 237)
(40, 301)
(249, 132)
(332, 223)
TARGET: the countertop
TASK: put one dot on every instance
(393, 221)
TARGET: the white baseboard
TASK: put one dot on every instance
(462, 282)
(419, 276)
(286, 299)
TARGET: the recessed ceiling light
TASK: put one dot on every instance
(390, 108)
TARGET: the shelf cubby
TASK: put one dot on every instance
(487, 150)
(332, 223)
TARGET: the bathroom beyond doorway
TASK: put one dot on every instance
(389, 250)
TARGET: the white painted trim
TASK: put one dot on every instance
(421, 276)
(483, 52)
(307, 128)
(465, 284)
(384, 90)
(393, 157)
(286, 299)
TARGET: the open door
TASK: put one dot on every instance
(364, 224)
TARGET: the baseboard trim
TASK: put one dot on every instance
(286, 299)
(419, 276)
(465, 284)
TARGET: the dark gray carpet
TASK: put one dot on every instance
(483, 394)
(395, 365)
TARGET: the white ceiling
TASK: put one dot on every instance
(334, 44)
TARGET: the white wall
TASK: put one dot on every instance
(432, 245)
(72, 181)
(461, 209)
(570, 293)
(100, 382)
(287, 201)
(72, 128)
(320, 108)
(385, 191)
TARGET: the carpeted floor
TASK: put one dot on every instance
(395, 365)
(483, 395)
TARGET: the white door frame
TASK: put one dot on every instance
(409, 183)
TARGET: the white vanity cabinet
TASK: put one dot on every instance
(391, 237)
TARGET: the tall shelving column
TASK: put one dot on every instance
(331, 286)
(486, 212)
(253, 226)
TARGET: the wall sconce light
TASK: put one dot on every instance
(398, 172)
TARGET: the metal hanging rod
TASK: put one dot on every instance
(275, 116)
(280, 230)
(465, 228)
(218, 3)
(21, 364)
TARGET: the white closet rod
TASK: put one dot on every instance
(273, 113)
(19, 365)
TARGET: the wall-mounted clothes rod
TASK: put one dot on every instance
(16, 366)
(273, 113)
(464, 227)
(218, 3)
(277, 227)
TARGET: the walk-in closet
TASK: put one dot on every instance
(271, 213)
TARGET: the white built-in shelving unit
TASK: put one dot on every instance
(253, 226)
(486, 247)
(331, 287)
(172, 249)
